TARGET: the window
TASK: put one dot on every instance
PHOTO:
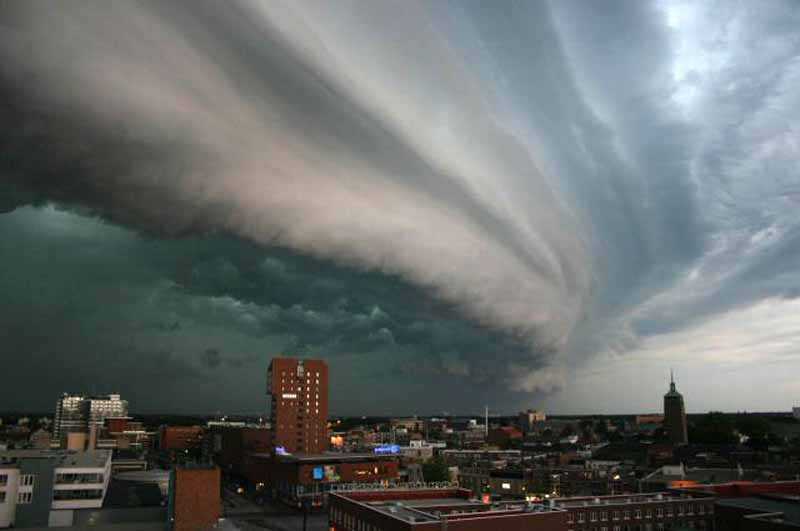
(3, 479)
(616, 515)
(660, 512)
(638, 513)
(593, 516)
(2, 496)
(24, 497)
(603, 516)
(627, 514)
(26, 480)
(680, 510)
(581, 518)
(648, 513)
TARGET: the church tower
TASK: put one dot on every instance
(675, 415)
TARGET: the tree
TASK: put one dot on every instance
(436, 470)
(713, 428)
(757, 428)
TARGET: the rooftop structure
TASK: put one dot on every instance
(446, 508)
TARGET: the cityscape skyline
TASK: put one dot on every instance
(456, 205)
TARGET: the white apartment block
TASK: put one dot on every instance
(43, 488)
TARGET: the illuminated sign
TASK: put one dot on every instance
(506, 486)
(280, 450)
(318, 472)
(289, 395)
(387, 449)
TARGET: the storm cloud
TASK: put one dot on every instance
(505, 197)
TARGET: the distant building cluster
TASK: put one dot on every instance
(95, 465)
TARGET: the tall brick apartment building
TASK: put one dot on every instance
(299, 404)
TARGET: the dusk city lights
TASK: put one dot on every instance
(400, 265)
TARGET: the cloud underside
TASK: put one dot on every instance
(477, 194)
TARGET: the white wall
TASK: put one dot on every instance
(8, 509)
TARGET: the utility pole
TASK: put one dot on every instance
(486, 422)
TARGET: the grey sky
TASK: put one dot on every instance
(513, 203)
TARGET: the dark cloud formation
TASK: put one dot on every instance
(508, 198)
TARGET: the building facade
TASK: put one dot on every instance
(660, 511)
(298, 391)
(79, 413)
(96, 409)
(44, 488)
(195, 500)
(295, 478)
(675, 416)
(69, 417)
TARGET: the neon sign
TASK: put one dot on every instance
(387, 449)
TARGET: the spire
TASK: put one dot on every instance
(672, 381)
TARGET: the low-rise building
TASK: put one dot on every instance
(655, 511)
(294, 478)
(179, 437)
(45, 487)
(453, 509)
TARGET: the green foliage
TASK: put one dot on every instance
(713, 428)
(753, 426)
(435, 470)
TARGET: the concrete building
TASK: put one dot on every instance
(675, 415)
(298, 392)
(195, 500)
(78, 413)
(69, 417)
(41, 488)
(796, 412)
(435, 509)
(96, 409)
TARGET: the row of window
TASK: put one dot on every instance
(651, 527)
(79, 478)
(349, 521)
(660, 512)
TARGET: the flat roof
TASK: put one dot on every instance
(326, 457)
(773, 504)
(423, 507)
(601, 501)
(62, 458)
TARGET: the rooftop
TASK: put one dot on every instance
(328, 457)
(427, 505)
(789, 506)
(650, 497)
(62, 458)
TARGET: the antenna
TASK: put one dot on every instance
(671, 376)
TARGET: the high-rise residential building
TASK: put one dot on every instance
(675, 415)
(69, 417)
(78, 413)
(96, 409)
(299, 404)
